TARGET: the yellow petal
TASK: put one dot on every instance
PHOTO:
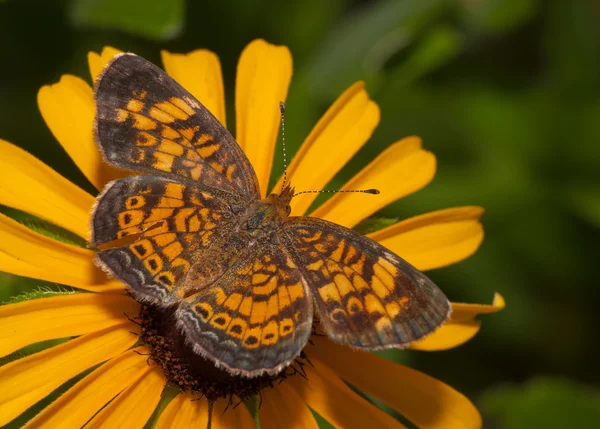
(400, 170)
(435, 239)
(61, 316)
(27, 184)
(325, 393)
(464, 312)
(263, 76)
(282, 407)
(26, 253)
(183, 412)
(68, 109)
(200, 73)
(461, 326)
(225, 416)
(134, 406)
(425, 401)
(26, 381)
(81, 402)
(97, 62)
(338, 135)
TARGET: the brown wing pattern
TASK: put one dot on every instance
(175, 224)
(255, 319)
(366, 296)
(147, 122)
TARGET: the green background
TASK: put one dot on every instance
(505, 93)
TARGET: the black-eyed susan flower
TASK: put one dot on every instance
(125, 385)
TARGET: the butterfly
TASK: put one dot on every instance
(243, 277)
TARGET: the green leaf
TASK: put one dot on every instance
(373, 224)
(586, 203)
(363, 43)
(253, 404)
(167, 396)
(41, 292)
(543, 403)
(159, 19)
(498, 15)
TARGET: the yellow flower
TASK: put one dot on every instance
(104, 335)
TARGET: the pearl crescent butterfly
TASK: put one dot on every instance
(243, 277)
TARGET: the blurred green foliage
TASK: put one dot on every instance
(505, 93)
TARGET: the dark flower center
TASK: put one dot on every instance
(191, 372)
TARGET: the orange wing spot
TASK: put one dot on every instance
(272, 268)
(142, 248)
(203, 139)
(169, 133)
(390, 268)
(172, 110)
(270, 334)
(284, 298)
(296, 291)
(135, 105)
(246, 306)
(379, 288)
(145, 139)
(252, 337)
(181, 217)
(173, 250)
(259, 278)
(163, 239)
(320, 247)
(204, 310)
(373, 304)
(266, 289)
(169, 202)
(138, 155)
(350, 254)
(259, 312)
(229, 172)
(196, 172)
(286, 327)
(194, 224)
(385, 277)
(359, 283)
(166, 278)
(359, 266)
(233, 301)
(315, 237)
(159, 214)
(135, 202)
(207, 151)
(383, 324)
(336, 255)
(220, 296)
(217, 166)
(315, 265)
(267, 258)
(170, 147)
(209, 225)
(344, 285)
(174, 190)
(128, 231)
(130, 218)
(237, 328)
(333, 267)
(122, 115)
(182, 105)
(354, 305)
(155, 228)
(189, 133)
(393, 309)
(161, 116)
(272, 306)
(164, 161)
(154, 263)
(143, 122)
(329, 292)
(140, 94)
(220, 320)
(183, 263)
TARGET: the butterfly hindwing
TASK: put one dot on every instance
(255, 319)
(147, 122)
(366, 296)
(172, 224)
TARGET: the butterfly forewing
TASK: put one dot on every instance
(366, 296)
(256, 318)
(147, 122)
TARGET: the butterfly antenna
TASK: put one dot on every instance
(282, 110)
(323, 191)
